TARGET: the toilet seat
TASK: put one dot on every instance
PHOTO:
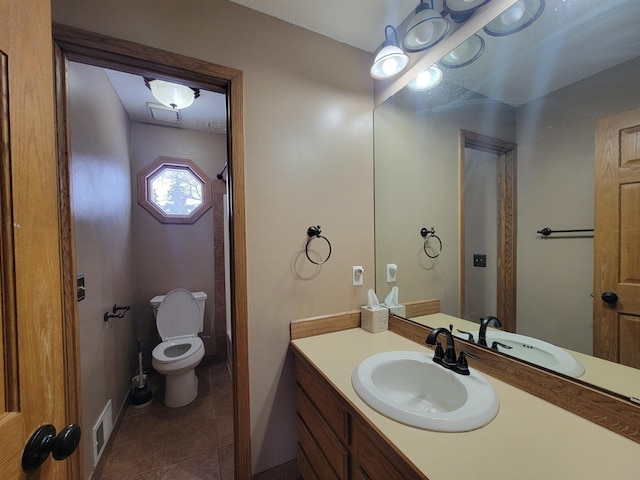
(168, 352)
(178, 315)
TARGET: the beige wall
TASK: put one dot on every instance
(308, 107)
(555, 190)
(101, 202)
(416, 163)
(168, 256)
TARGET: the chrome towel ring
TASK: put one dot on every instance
(427, 234)
(312, 233)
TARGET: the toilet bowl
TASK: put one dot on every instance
(179, 318)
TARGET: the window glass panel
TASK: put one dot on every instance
(176, 191)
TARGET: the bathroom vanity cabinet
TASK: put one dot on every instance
(341, 437)
(334, 440)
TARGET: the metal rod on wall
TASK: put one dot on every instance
(547, 231)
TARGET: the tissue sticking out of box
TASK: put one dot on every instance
(391, 300)
(392, 303)
(374, 317)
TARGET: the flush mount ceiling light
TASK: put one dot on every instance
(461, 10)
(515, 18)
(464, 54)
(426, 80)
(172, 95)
(390, 60)
(425, 29)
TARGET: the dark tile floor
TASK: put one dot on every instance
(192, 442)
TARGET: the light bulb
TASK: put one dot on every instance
(423, 79)
(390, 66)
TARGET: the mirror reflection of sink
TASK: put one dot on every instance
(535, 351)
(410, 388)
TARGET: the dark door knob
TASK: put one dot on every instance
(609, 297)
(45, 441)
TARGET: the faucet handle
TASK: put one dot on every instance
(439, 352)
(462, 367)
(495, 344)
(470, 339)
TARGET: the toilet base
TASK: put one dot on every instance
(181, 389)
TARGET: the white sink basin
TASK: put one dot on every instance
(535, 351)
(410, 388)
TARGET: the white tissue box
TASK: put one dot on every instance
(375, 319)
(398, 310)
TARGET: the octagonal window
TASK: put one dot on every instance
(174, 190)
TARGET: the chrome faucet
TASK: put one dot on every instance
(484, 323)
(447, 358)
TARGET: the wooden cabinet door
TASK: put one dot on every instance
(616, 308)
(32, 366)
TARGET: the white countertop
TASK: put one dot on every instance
(530, 439)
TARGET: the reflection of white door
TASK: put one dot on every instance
(616, 307)
(32, 356)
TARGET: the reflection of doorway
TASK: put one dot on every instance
(94, 49)
(505, 171)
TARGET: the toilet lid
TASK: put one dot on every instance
(178, 314)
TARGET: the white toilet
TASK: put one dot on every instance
(179, 318)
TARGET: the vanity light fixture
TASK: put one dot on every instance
(515, 18)
(170, 94)
(390, 60)
(461, 10)
(426, 80)
(464, 54)
(426, 28)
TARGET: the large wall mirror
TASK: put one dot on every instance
(500, 149)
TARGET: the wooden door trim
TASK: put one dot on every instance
(507, 221)
(70, 325)
(100, 50)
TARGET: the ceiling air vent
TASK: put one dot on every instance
(163, 114)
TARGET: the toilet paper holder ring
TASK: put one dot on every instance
(313, 233)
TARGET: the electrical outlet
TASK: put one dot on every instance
(357, 275)
(479, 260)
(392, 272)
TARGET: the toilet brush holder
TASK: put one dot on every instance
(141, 395)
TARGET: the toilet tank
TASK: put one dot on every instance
(200, 297)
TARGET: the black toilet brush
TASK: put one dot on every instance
(140, 393)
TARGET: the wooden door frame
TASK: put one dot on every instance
(72, 44)
(507, 221)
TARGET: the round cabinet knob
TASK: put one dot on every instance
(45, 441)
(609, 297)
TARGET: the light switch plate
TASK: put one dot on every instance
(479, 260)
(80, 290)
